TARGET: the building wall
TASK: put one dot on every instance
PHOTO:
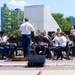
(49, 22)
(40, 17)
(35, 15)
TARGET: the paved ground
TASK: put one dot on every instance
(52, 67)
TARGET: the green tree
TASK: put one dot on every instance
(13, 20)
(63, 22)
(16, 33)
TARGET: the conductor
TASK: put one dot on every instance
(25, 30)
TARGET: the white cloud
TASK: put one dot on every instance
(18, 3)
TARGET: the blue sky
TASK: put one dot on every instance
(66, 7)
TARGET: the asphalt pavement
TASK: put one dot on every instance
(52, 67)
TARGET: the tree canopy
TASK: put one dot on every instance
(63, 22)
(13, 19)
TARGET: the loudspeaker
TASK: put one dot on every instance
(36, 60)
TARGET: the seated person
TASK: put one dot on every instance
(38, 32)
(42, 46)
(3, 50)
(11, 47)
(37, 36)
(72, 31)
(71, 46)
(54, 45)
(62, 45)
(58, 32)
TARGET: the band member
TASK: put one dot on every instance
(9, 46)
(62, 45)
(72, 31)
(25, 30)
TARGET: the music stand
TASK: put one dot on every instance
(12, 39)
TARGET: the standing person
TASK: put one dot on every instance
(25, 30)
(72, 31)
(58, 32)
